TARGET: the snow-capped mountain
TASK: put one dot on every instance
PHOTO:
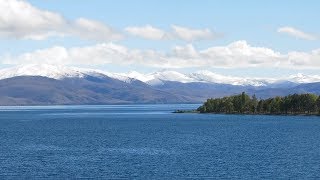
(34, 85)
(155, 78)
(302, 78)
(159, 77)
(46, 70)
(128, 77)
(208, 76)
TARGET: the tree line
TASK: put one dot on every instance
(244, 104)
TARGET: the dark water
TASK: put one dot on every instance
(149, 142)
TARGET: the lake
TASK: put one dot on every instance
(150, 142)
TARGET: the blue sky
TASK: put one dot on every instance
(288, 28)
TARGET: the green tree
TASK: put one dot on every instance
(242, 103)
(318, 104)
(254, 104)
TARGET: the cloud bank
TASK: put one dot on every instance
(238, 54)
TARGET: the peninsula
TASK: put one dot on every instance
(295, 104)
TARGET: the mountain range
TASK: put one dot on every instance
(43, 84)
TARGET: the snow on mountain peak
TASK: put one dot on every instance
(171, 76)
(44, 70)
(302, 78)
(208, 76)
(155, 78)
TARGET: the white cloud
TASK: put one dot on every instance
(54, 55)
(297, 33)
(177, 32)
(185, 52)
(91, 29)
(19, 19)
(189, 34)
(238, 54)
(147, 32)
(305, 59)
(241, 54)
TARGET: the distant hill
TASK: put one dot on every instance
(51, 85)
(35, 90)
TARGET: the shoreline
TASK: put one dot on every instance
(255, 114)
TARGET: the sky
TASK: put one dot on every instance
(240, 38)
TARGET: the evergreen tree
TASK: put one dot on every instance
(242, 103)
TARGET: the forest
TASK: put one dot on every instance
(244, 104)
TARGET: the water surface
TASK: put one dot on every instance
(150, 142)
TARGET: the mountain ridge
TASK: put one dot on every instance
(155, 78)
(52, 85)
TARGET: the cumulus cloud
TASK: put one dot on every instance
(177, 32)
(297, 33)
(238, 54)
(20, 20)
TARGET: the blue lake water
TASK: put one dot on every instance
(150, 142)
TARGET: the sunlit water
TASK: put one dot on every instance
(150, 142)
